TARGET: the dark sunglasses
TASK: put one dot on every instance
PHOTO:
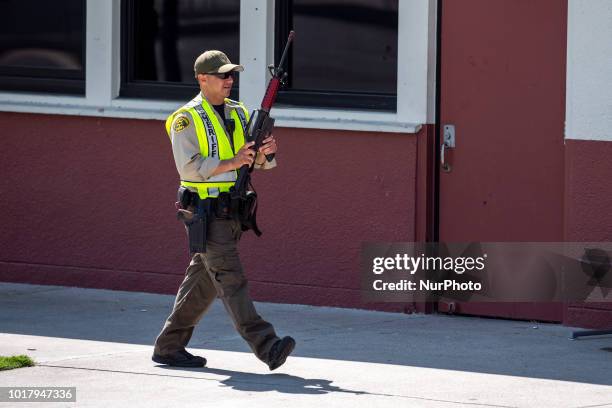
(225, 75)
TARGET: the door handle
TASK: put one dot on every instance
(447, 143)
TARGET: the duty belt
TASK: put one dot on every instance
(219, 206)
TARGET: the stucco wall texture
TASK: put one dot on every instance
(90, 202)
(588, 214)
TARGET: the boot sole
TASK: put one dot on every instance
(181, 363)
(283, 357)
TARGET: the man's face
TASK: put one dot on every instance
(216, 86)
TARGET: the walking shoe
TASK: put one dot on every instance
(280, 351)
(181, 358)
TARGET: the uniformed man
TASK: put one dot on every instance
(208, 143)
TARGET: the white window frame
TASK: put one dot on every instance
(588, 102)
(415, 85)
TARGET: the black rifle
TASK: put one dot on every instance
(260, 124)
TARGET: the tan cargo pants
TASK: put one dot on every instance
(216, 273)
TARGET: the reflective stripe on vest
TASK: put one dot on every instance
(214, 142)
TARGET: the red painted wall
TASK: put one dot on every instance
(90, 202)
(588, 214)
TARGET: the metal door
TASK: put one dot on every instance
(502, 87)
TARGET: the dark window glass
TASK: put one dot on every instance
(162, 39)
(344, 54)
(42, 45)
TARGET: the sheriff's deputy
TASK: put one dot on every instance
(208, 143)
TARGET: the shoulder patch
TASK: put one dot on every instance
(181, 123)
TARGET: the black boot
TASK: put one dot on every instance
(280, 351)
(181, 358)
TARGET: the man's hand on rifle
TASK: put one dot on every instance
(269, 146)
(245, 155)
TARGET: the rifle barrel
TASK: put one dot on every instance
(285, 51)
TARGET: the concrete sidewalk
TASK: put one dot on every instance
(100, 342)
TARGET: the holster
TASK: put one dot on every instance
(244, 210)
(185, 198)
(194, 213)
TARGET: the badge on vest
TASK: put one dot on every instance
(181, 123)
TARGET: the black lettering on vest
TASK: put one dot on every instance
(243, 120)
(210, 131)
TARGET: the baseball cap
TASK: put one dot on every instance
(214, 62)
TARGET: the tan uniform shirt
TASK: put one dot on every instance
(190, 164)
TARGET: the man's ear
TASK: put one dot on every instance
(201, 79)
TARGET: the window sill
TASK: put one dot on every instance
(80, 106)
(340, 119)
(159, 110)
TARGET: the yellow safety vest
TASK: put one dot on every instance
(214, 141)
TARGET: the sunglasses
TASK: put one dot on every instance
(225, 75)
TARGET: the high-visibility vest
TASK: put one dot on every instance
(214, 141)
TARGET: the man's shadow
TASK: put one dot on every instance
(285, 383)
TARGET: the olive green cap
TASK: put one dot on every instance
(214, 62)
